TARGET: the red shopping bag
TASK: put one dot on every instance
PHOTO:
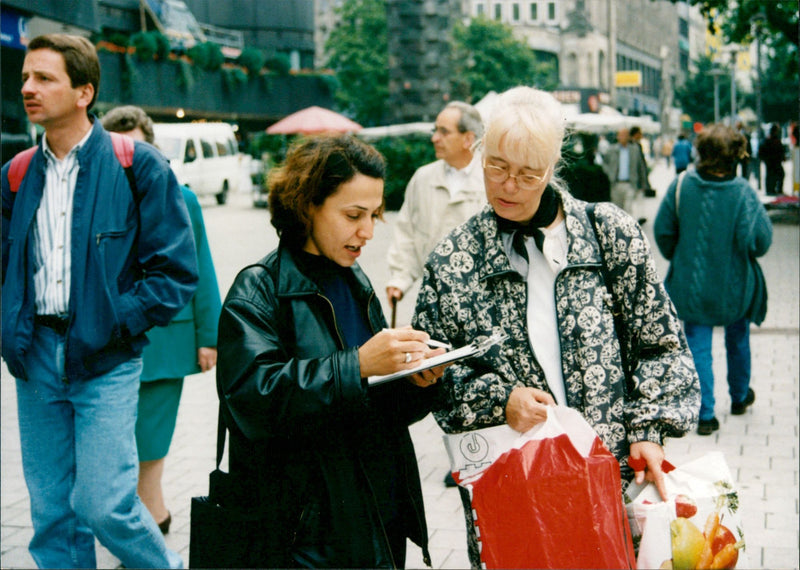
(551, 498)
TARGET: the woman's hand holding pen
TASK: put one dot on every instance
(392, 350)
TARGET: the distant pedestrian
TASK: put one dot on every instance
(666, 149)
(585, 179)
(90, 263)
(187, 345)
(439, 196)
(711, 226)
(772, 153)
(744, 162)
(755, 162)
(626, 168)
(636, 137)
(682, 153)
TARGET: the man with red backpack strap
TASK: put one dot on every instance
(90, 262)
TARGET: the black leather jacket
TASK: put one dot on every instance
(325, 461)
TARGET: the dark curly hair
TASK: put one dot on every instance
(314, 169)
(720, 148)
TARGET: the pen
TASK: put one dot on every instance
(438, 344)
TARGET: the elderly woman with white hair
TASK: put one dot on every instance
(589, 323)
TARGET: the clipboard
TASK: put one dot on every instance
(475, 348)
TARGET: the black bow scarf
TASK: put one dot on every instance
(544, 216)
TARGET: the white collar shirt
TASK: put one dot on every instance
(457, 179)
(52, 236)
(540, 274)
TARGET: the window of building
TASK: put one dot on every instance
(551, 10)
(515, 11)
(683, 27)
(534, 11)
(480, 9)
(498, 11)
(601, 68)
(572, 70)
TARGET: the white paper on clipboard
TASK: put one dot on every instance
(472, 349)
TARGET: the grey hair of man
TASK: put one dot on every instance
(470, 120)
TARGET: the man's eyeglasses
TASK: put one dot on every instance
(499, 174)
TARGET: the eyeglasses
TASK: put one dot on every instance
(498, 174)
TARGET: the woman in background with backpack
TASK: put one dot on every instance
(711, 226)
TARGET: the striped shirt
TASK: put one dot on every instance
(52, 236)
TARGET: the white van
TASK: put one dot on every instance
(204, 156)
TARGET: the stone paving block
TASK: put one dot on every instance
(457, 559)
(781, 521)
(17, 557)
(454, 540)
(783, 464)
(18, 536)
(763, 474)
(780, 558)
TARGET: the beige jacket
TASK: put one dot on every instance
(428, 213)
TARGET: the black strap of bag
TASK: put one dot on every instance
(619, 327)
(221, 488)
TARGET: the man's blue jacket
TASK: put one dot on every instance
(132, 267)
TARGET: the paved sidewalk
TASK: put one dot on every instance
(760, 447)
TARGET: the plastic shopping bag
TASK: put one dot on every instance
(698, 527)
(549, 498)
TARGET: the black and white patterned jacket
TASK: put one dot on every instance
(470, 290)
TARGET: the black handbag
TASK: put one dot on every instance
(223, 534)
(758, 306)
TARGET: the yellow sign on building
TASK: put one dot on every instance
(628, 79)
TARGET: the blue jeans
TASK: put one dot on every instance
(80, 463)
(737, 347)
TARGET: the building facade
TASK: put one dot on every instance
(271, 26)
(589, 41)
(593, 40)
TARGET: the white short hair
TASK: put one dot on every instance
(528, 126)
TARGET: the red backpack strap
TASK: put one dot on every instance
(19, 166)
(123, 148)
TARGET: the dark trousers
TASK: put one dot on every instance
(774, 181)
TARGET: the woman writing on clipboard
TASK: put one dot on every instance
(326, 456)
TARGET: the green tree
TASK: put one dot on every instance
(779, 87)
(696, 95)
(487, 57)
(358, 54)
(737, 19)
(774, 23)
